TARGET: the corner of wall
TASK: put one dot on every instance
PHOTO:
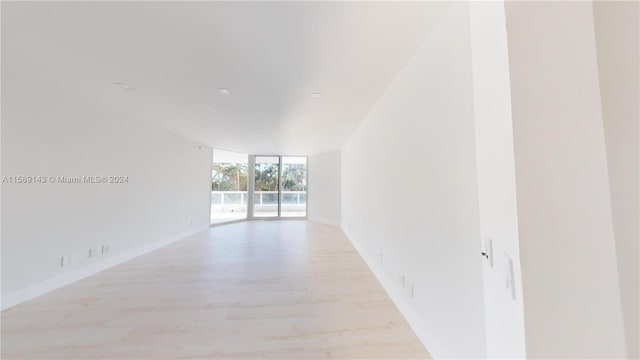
(33, 291)
(407, 311)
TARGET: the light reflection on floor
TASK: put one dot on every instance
(226, 216)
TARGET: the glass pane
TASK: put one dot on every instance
(266, 186)
(294, 186)
(229, 186)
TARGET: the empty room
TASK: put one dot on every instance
(320, 179)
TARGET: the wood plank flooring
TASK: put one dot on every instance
(262, 289)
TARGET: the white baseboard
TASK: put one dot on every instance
(323, 221)
(30, 292)
(401, 302)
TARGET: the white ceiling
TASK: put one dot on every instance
(270, 55)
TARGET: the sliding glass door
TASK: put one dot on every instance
(261, 186)
(266, 186)
(229, 186)
(280, 187)
(293, 197)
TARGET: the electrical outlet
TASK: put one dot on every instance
(66, 260)
(94, 251)
(411, 290)
(106, 248)
(191, 223)
(404, 281)
(380, 258)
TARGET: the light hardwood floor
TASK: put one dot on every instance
(262, 289)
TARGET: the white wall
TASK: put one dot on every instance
(409, 200)
(504, 315)
(50, 131)
(617, 32)
(569, 271)
(324, 185)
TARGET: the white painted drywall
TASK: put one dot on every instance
(409, 194)
(617, 43)
(324, 188)
(504, 317)
(223, 156)
(569, 271)
(50, 130)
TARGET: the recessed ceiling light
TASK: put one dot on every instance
(203, 128)
(224, 91)
(259, 130)
(315, 94)
(123, 85)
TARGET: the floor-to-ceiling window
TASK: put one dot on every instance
(244, 186)
(267, 182)
(229, 196)
(294, 186)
